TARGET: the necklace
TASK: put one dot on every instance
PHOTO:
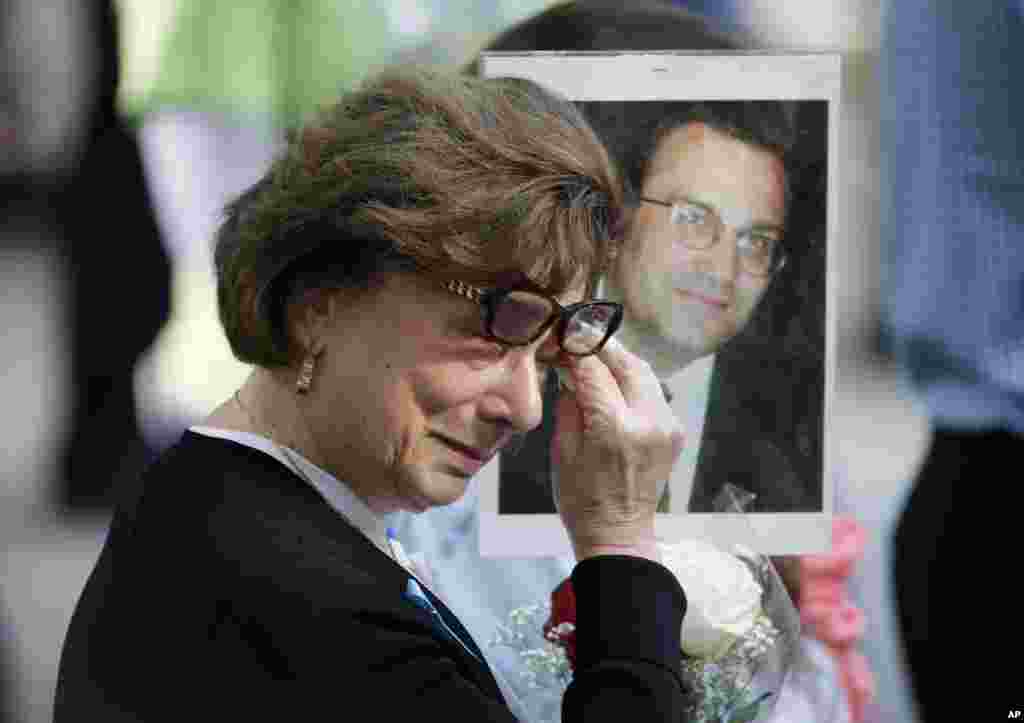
(252, 421)
(285, 449)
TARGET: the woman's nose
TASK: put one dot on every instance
(517, 397)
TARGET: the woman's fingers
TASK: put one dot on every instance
(616, 442)
(635, 382)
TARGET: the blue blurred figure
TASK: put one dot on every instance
(953, 154)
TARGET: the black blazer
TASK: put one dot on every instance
(227, 587)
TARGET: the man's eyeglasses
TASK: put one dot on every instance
(518, 317)
(761, 253)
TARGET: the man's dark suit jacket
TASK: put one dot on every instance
(228, 589)
(766, 443)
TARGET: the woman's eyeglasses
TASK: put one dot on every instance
(518, 317)
(699, 227)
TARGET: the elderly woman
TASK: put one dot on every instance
(402, 279)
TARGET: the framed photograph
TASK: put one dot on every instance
(729, 161)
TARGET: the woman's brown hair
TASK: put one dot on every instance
(481, 180)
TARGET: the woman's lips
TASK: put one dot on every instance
(469, 459)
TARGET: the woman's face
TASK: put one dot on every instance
(410, 399)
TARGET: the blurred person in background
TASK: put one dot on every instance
(954, 303)
(87, 193)
(484, 590)
(75, 214)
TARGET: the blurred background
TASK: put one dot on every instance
(124, 129)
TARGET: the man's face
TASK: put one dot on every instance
(699, 299)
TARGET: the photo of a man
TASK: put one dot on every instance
(723, 270)
(706, 239)
(719, 265)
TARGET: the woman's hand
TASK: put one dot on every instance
(616, 442)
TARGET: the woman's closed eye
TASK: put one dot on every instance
(486, 349)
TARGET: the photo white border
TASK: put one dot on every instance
(679, 75)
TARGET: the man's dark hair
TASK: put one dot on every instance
(631, 130)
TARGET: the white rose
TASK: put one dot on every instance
(723, 599)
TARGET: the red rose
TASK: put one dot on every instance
(563, 610)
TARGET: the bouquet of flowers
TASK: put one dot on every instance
(739, 638)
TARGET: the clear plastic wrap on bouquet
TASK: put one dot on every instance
(769, 673)
(744, 683)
